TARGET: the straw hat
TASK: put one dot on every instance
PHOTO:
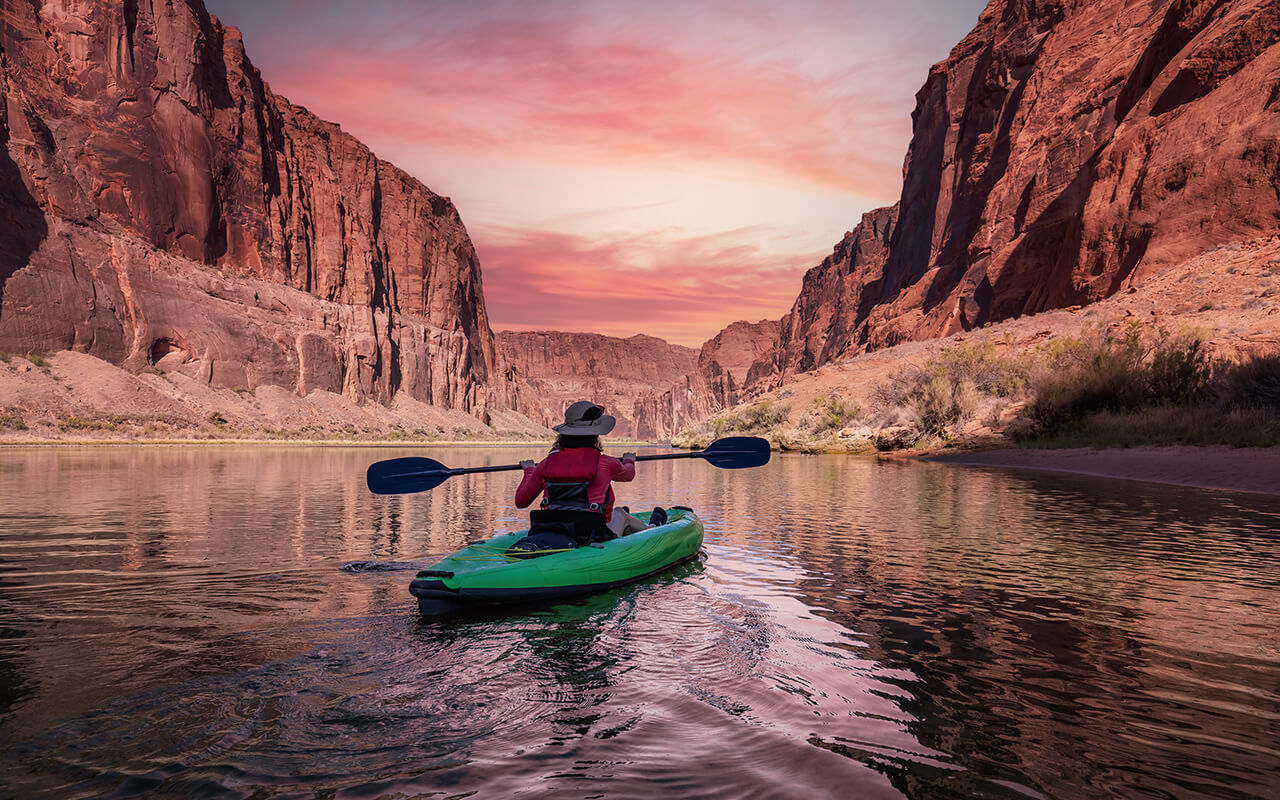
(585, 418)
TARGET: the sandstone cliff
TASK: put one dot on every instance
(160, 205)
(725, 360)
(654, 388)
(627, 376)
(1065, 150)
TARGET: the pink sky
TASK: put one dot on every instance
(642, 167)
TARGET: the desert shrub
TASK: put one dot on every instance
(953, 387)
(763, 418)
(216, 418)
(1180, 370)
(1190, 424)
(935, 406)
(1104, 372)
(1254, 383)
(983, 367)
(74, 423)
(38, 360)
(830, 414)
(12, 421)
(1127, 387)
(755, 418)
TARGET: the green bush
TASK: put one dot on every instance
(1106, 372)
(38, 360)
(830, 414)
(755, 418)
(950, 389)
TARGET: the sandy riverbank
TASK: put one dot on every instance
(1235, 469)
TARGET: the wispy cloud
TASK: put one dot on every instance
(733, 139)
(682, 288)
(548, 96)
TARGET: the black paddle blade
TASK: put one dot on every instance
(737, 452)
(406, 475)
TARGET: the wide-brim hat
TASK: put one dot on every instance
(585, 418)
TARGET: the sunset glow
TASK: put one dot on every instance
(662, 168)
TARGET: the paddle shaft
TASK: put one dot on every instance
(416, 474)
(512, 467)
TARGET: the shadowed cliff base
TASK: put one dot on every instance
(70, 396)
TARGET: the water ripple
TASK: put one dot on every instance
(855, 629)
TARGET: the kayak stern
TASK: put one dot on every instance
(481, 575)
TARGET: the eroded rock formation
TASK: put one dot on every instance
(725, 361)
(627, 376)
(158, 203)
(654, 388)
(1065, 150)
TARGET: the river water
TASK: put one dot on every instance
(220, 621)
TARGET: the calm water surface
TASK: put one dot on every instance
(188, 622)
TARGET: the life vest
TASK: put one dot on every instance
(568, 475)
(567, 508)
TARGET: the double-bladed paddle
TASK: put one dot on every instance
(406, 475)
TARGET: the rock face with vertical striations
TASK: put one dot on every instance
(725, 360)
(834, 297)
(158, 203)
(1065, 150)
(654, 388)
(629, 377)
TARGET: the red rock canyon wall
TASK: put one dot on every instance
(158, 203)
(1065, 150)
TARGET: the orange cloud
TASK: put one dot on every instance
(682, 288)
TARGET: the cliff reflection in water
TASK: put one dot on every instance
(176, 619)
(1056, 631)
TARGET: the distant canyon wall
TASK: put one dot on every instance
(1065, 150)
(654, 388)
(158, 203)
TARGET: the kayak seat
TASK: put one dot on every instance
(541, 544)
(584, 527)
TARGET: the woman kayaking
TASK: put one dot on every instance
(575, 479)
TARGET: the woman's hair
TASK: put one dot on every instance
(565, 442)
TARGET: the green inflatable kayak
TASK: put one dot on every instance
(482, 574)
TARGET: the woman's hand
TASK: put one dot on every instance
(630, 456)
(528, 463)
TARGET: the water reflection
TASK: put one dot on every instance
(236, 621)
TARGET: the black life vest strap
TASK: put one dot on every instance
(568, 497)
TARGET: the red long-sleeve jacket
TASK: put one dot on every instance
(573, 465)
